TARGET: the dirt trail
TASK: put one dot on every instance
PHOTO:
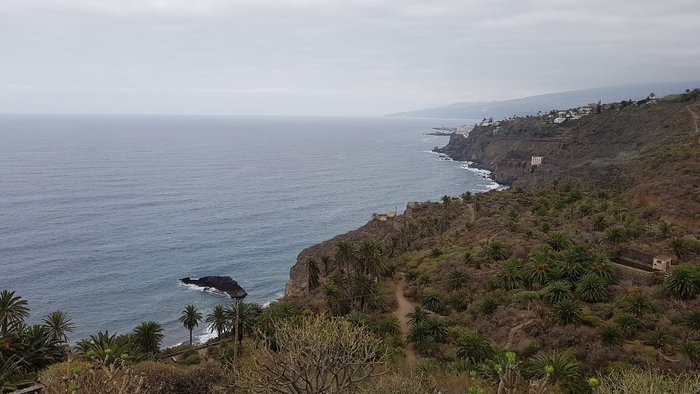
(514, 330)
(405, 307)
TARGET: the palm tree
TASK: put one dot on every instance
(313, 274)
(246, 314)
(559, 368)
(457, 279)
(148, 336)
(59, 324)
(591, 288)
(217, 320)
(190, 319)
(684, 283)
(370, 257)
(638, 304)
(497, 251)
(345, 255)
(434, 301)
(558, 240)
(475, 348)
(679, 246)
(13, 310)
(509, 278)
(326, 262)
(568, 312)
(557, 291)
(417, 316)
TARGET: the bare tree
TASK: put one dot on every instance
(318, 355)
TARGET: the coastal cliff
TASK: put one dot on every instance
(647, 152)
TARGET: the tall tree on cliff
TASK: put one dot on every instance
(13, 310)
(313, 274)
(190, 318)
(345, 256)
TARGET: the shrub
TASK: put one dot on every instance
(692, 350)
(497, 251)
(639, 304)
(434, 301)
(691, 320)
(308, 351)
(489, 305)
(568, 312)
(397, 383)
(658, 338)
(640, 381)
(160, 378)
(630, 325)
(457, 279)
(611, 336)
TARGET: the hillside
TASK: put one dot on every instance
(552, 269)
(647, 152)
(546, 102)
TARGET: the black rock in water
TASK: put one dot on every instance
(224, 284)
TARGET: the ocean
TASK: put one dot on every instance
(101, 215)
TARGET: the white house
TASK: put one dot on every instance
(536, 161)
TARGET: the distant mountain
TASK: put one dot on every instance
(546, 102)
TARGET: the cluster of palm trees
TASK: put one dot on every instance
(236, 319)
(26, 349)
(353, 282)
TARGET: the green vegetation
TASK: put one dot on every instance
(525, 290)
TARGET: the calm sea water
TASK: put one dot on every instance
(100, 215)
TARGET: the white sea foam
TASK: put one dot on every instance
(203, 289)
(206, 336)
(278, 295)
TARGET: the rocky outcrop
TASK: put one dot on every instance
(224, 284)
(375, 230)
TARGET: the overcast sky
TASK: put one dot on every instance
(346, 57)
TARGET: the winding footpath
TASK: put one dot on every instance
(405, 307)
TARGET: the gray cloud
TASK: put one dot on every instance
(329, 57)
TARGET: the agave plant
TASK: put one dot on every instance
(591, 288)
